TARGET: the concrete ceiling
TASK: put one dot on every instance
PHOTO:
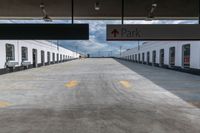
(110, 9)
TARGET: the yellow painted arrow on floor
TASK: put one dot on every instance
(125, 84)
(4, 104)
(71, 84)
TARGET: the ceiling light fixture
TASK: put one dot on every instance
(46, 17)
(151, 13)
(97, 6)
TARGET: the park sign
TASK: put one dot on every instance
(153, 32)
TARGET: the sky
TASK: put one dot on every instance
(97, 44)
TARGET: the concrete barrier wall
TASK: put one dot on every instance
(157, 46)
(39, 46)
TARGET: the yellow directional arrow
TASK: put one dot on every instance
(71, 84)
(125, 84)
(4, 104)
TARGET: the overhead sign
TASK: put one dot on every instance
(44, 31)
(153, 32)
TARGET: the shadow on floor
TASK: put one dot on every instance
(185, 86)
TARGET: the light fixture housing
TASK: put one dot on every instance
(154, 5)
(42, 6)
(151, 13)
(46, 17)
(97, 6)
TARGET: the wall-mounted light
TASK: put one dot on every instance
(151, 13)
(97, 6)
(46, 16)
(153, 7)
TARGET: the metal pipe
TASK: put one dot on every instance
(122, 12)
(199, 11)
(72, 6)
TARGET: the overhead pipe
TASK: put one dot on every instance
(199, 11)
(72, 11)
(45, 15)
(122, 12)
(97, 6)
(152, 10)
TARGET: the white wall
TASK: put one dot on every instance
(39, 45)
(151, 46)
(195, 55)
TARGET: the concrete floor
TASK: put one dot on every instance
(99, 96)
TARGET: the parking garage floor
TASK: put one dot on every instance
(99, 96)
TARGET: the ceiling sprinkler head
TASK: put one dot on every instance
(97, 6)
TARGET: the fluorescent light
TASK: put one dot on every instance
(97, 6)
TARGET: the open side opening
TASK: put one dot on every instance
(133, 59)
(139, 58)
(57, 58)
(153, 57)
(142, 58)
(162, 56)
(136, 58)
(186, 56)
(60, 58)
(24, 54)
(42, 58)
(10, 52)
(34, 51)
(172, 56)
(48, 58)
(53, 56)
(148, 57)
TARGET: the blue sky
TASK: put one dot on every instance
(97, 45)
